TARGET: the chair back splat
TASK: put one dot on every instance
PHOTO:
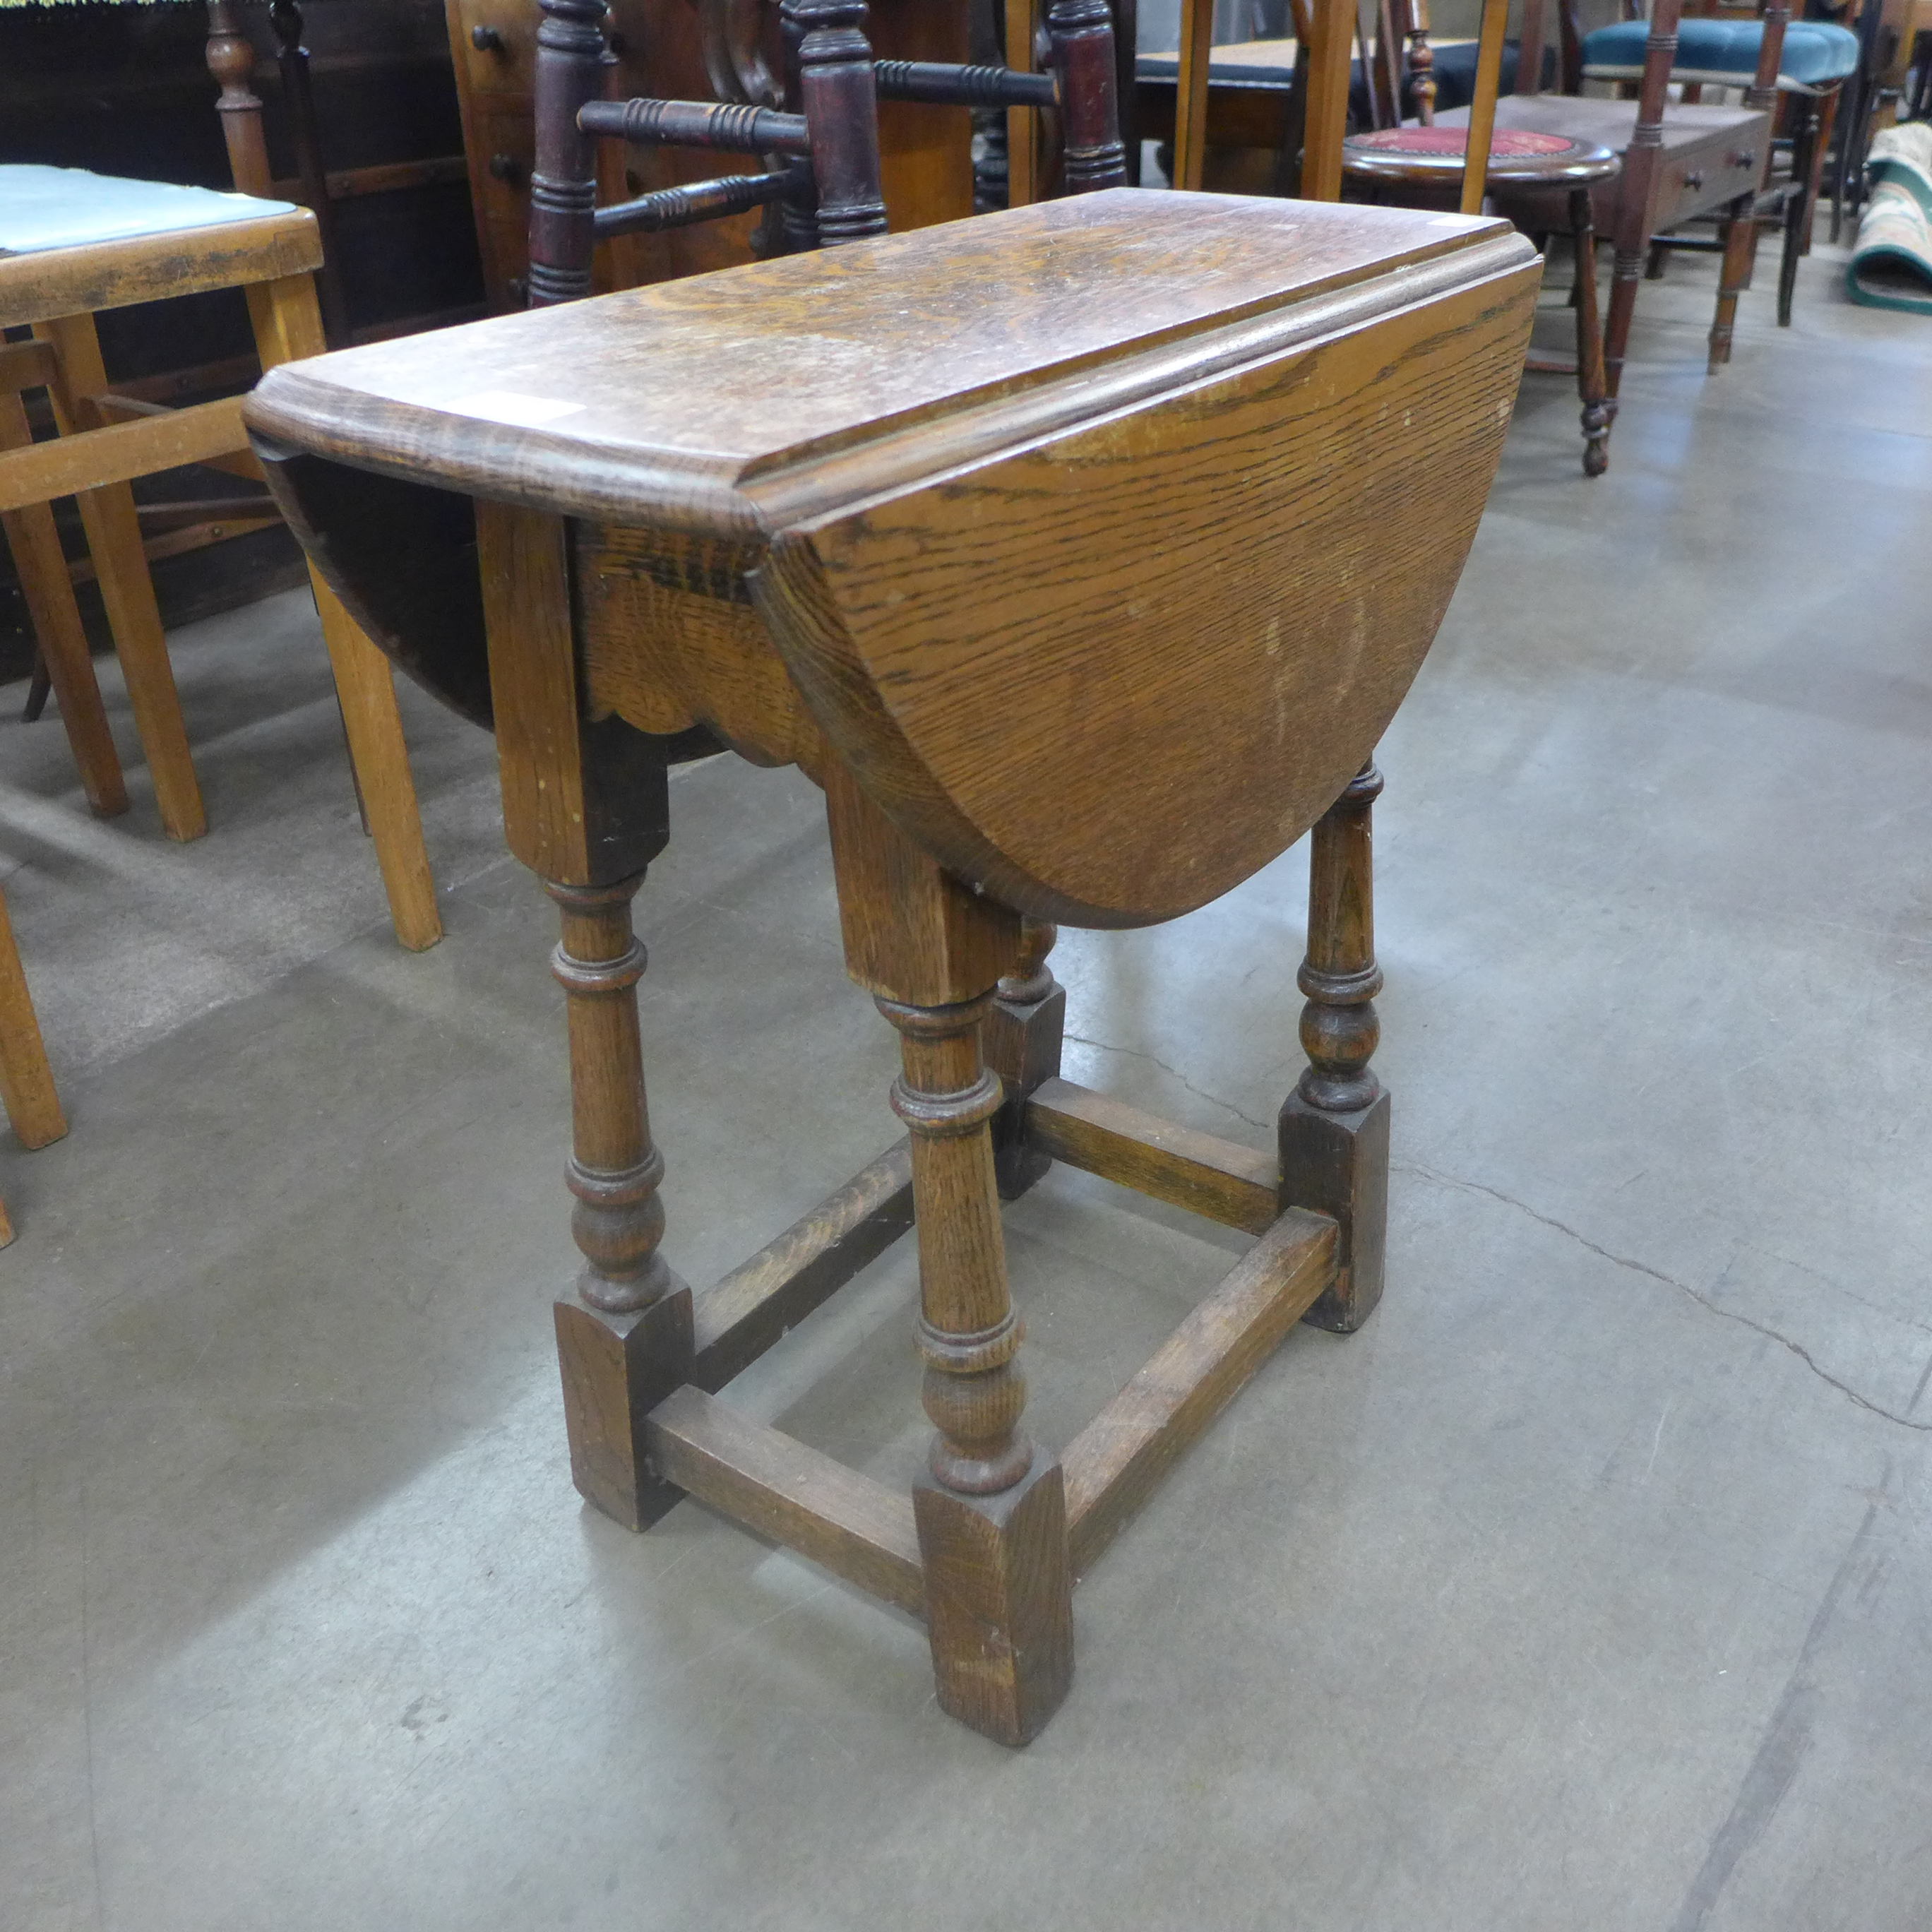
(821, 149)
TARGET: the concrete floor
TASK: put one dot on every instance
(1586, 1588)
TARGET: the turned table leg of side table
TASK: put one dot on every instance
(992, 1514)
(1334, 1126)
(586, 808)
(624, 1336)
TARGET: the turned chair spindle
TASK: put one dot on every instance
(821, 149)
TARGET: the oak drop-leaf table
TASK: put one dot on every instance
(1081, 554)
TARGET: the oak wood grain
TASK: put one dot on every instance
(1252, 619)
(912, 932)
(671, 641)
(645, 411)
(1112, 1465)
(740, 1316)
(1337, 371)
(533, 689)
(1220, 1179)
(780, 1489)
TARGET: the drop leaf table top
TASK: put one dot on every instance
(1099, 540)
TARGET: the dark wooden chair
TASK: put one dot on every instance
(821, 177)
(1416, 164)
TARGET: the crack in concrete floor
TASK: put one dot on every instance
(1426, 1173)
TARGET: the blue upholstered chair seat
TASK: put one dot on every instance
(1723, 53)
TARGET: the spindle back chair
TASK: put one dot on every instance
(821, 149)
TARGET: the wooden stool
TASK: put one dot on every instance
(26, 1081)
(75, 244)
(1060, 559)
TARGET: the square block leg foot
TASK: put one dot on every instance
(999, 1601)
(1337, 1164)
(616, 1368)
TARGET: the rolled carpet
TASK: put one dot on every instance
(1891, 266)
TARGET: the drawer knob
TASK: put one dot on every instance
(1744, 158)
(1695, 179)
(506, 168)
(487, 41)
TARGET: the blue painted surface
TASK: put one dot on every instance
(44, 207)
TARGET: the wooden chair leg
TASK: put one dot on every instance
(1789, 255)
(26, 1081)
(1740, 225)
(1334, 1128)
(1590, 388)
(41, 568)
(40, 686)
(121, 569)
(1626, 269)
(991, 1512)
(1827, 113)
(288, 326)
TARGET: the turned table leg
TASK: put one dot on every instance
(585, 806)
(1334, 1126)
(991, 1513)
(624, 1337)
(1021, 1037)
